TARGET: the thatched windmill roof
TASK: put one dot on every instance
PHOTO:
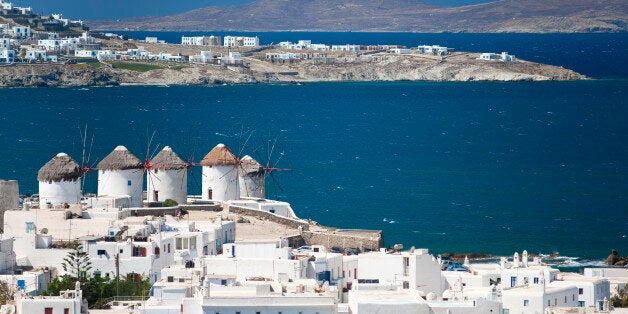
(60, 168)
(220, 155)
(168, 159)
(251, 168)
(120, 159)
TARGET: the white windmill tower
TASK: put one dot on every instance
(167, 177)
(121, 173)
(220, 175)
(59, 181)
(252, 178)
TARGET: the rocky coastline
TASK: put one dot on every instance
(461, 67)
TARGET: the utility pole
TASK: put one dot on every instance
(117, 275)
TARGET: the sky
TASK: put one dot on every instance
(120, 9)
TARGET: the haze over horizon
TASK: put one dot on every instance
(120, 9)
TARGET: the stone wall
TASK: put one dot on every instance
(292, 223)
(364, 241)
(154, 211)
(203, 207)
(296, 241)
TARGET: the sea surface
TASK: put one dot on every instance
(483, 167)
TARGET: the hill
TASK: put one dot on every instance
(535, 16)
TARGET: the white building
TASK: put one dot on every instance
(434, 49)
(7, 56)
(536, 298)
(121, 174)
(234, 58)
(68, 302)
(5, 43)
(49, 44)
(29, 282)
(85, 53)
(258, 249)
(618, 277)
(201, 40)
(22, 31)
(240, 41)
(347, 47)
(167, 178)
(204, 57)
(142, 255)
(36, 54)
(252, 178)
(59, 181)
(192, 40)
(504, 56)
(591, 291)
(220, 175)
(415, 270)
(278, 208)
(152, 40)
(6, 5)
(400, 51)
(320, 47)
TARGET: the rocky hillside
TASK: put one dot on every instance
(393, 15)
(381, 67)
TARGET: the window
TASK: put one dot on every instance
(121, 251)
(513, 281)
(573, 297)
(526, 302)
(128, 183)
(548, 303)
(580, 303)
(580, 291)
(565, 299)
(555, 301)
(139, 251)
(66, 311)
(536, 279)
(102, 252)
(193, 243)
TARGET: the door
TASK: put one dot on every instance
(155, 196)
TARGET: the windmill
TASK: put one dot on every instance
(120, 173)
(220, 175)
(86, 154)
(165, 177)
(267, 170)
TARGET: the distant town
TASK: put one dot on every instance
(30, 38)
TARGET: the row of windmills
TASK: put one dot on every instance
(224, 177)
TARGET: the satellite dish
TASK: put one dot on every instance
(44, 231)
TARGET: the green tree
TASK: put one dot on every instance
(77, 262)
(5, 292)
(620, 300)
(99, 290)
(170, 203)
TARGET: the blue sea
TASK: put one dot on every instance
(454, 167)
